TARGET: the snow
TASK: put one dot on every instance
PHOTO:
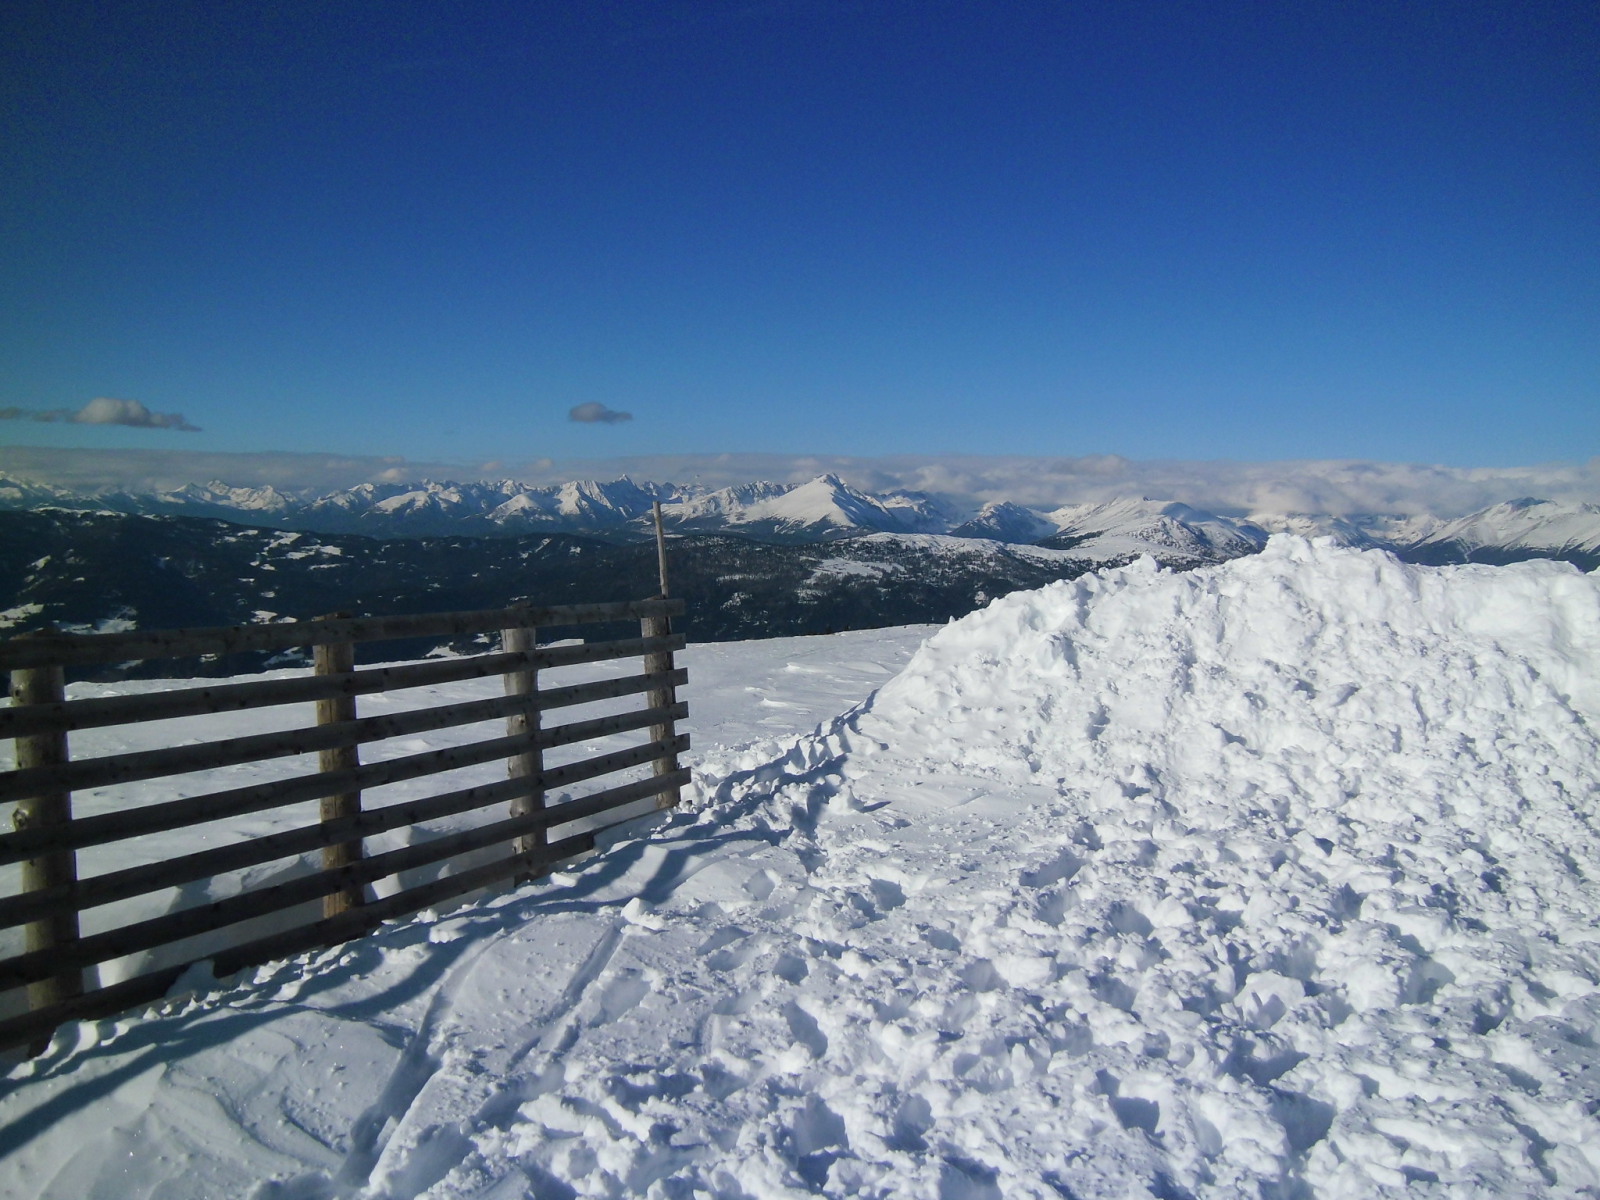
(825, 503)
(1275, 878)
(1126, 528)
(1534, 526)
(18, 614)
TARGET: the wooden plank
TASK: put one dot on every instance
(658, 628)
(177, 760)
(233, 802)
(171, 927)
(258, 747)
(81, 649)
(214, 806)
(236, 697)
(140, 880)
(33, 1029)
(143, 989)
(339, 712)
(114, 886)
(607, 689)
(46, 811)
(529, 764)
(47, 716)
(615, 797)
(69, 715)
(659, 625)
(617, 760)
(661, 550)
(590, 652)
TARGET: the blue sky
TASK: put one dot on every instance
(1159, 230)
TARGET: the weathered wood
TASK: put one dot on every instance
(46, 812)
(233, 802)
(322, 738)
(661, 551)
(659, 625)
(665, 698)
(613, 797)
(33, 1029)
(66, 716)
(608, 689)
(235, 697)
(203, 864)
(607, 764)
(41, 717)
(174, 760)
(590, 652)
(81, 649)
(330, 932)
(528, 765)
(338, 658)
(71, 715)
(103, 1002)
(171, 927)
(214, 806)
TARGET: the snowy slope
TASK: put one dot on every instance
(1269, 879)
(1520, 527)
(820, 508)
(1119, 530)
(1006, 522)
(724, 506)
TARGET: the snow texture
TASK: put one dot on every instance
(1271, 879)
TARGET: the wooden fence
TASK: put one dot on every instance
(48, 836)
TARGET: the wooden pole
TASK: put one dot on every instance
(338, 658)
(529, 764)
(663, 697)
(56, 868)
(661, 550)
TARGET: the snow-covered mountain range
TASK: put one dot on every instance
(827, 508)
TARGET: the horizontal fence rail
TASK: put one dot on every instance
(56, 960)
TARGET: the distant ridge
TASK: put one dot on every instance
(826, 508)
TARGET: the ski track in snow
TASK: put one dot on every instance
(1275, 879)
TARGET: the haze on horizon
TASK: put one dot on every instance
(883, 233)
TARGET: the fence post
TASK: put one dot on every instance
(53, 868)
(661, 663)
(338, 658)
(529, 765)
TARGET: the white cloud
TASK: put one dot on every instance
(594, 411)
(103, 410)
(145, 470)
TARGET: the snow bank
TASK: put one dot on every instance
(1274, 879)
(1278, 873)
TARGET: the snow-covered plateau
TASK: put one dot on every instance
(1277, 878)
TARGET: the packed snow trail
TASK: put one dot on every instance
(1272, 879)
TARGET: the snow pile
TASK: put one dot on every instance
(1316, 832)
(1280, 873)
(1271, 879)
